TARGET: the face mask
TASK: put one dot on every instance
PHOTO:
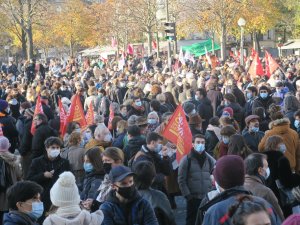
(217, 187)
(107, 138)
(124, 114)
(263, 95)
(297, 123)
(139, 103)
(282, 148)
(88, 136)
(249, 95)
(226, 103)
(37, 210)
(267, 173)
(152, 121)
(255, 129)
(193, 112)
(226, 114)
(225, 140)
(158, 148)
(122, 84)
(100, 95)
(78, 130)
(7, 110)
(199, 148)
(278, 91)
(197, 98)
(127, 192)
(107, 167)
(88, 167)
(54, 153)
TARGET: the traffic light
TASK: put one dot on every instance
(170, 31)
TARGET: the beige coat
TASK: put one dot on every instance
(13, 163)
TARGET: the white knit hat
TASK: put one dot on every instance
(65, 191)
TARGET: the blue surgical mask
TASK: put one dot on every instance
(88, 167)
(88, 136)
(139, 103)
(249, 95)
(152, 121)
(297, 124)
(267, 173)
(197, 98)
(37, 210)
(282, 148)
(158, 148)
(226, 103)
(225, 140)
(199, 148)
(255, 129)
(263, 95)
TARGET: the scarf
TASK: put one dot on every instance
(104, 189)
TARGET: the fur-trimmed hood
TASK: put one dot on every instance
(279, 122)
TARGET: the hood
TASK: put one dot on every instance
(279, 122)
(9, 158)
(15, 217)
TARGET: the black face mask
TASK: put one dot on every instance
(127, 192)
(107, 167)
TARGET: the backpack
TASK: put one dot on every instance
(5, 176)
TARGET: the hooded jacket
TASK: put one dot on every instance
(17, 218)
(206, 111)
(282, 128)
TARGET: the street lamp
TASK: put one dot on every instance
(242, 23)
(280, 45)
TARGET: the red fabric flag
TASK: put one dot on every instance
(130, 49)
(38, 109)
(76, 112)
(62, 118)
(273, 65)
(111, 116)
(154, 45)
(256, 68)
(89, 117)
(178, 132)
(253, 52)
(267, 67)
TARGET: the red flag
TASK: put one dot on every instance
(38, 109)
(89, 117)
(1, 131)
(130, 49)
(63, 118)
(154, 45)
(253, 52)
(256, 68)
(178, 132)
(111, 116)
(76, 112)
(273, 65)
(267, 67)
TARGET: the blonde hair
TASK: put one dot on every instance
(122, 125)
(161, 98)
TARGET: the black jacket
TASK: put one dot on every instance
(265, 103)
(133, 146)
(211, 140)
(206, 111)
(9, 130)
(238, 112)
(36, 174)
(47, 111)
(26, 139)
(43, 131)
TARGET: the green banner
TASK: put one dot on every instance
(198, 49)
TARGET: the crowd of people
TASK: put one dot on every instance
(243, 167)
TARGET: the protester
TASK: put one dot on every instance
(237, 146)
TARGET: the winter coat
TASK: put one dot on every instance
(216, 98)
(26, 139)
(9, 130)
(36, 173)
(260, 102)
(83, 218)
(133, 146)
(252, 139)
(192, 178)
(248, 107)
(217, 212)
(160, 204)
(240, 97)
(119, 141)
(14, 171)
(139, 211)
(42, 132)
(75, 156)
(212, 138)
(91, 183)
(290, 115)
(17, 218)
(290, 138)
(48, 111)
(257, 188)
(195, 130)
(206, 111)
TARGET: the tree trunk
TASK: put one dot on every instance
(24, 41)
(157, 45)
(149, 37)
(223, 41)
(71, 48)
(29, 43)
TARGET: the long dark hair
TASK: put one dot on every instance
(237, 146)
(94, 155)
(170, 99)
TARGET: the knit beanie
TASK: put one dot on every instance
(4, 144)
(229, 111)
(65, 192)
(292, 220)
(230, 171)
(3, 105)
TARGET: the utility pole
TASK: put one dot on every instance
(169, 43)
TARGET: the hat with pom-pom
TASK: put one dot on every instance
(65, 191)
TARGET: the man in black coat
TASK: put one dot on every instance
(264, 99)
(204, 108)
(42, 132)
(46, 169)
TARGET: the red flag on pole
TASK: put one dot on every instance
(89, 117)
(63, 118)
(111, 116)
(130, 49)
(38, 109)
(154, 45)
(256, 68)
(273, 65)
(253, 52)
(267, 67)
(76, 112)
(178, 132)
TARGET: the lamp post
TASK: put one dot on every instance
(280, 45)
(242, 23)
(6, 47)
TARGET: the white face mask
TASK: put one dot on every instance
(107, 138)
(218, 187)
(54, 153)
